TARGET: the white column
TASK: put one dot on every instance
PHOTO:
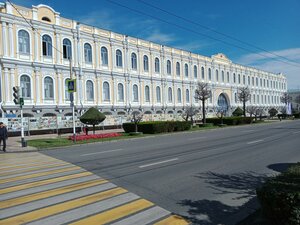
(96, 44)
(6, 85)
(37, 86)
(75, 58)
(36, 44)
(58, 54)
(99, 90)
(59, 88)
(4, 39)
(11, 40)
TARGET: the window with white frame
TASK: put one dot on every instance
(170, 98)
(195, 72)
(146, 63)
(158, 96)
(209, 73)
(47, 45)
(223, 76)
(104, 56)
(179, 95)
(156, 65)
(135, 91)
(168, 67)
(178, 69)
(228, 77)
(90, 90)
(234, 78)
(186, 70)
(244, 79)
(106, 91)
(67, 49)
(48, 88)
(119, 62)
(239, 78)
(147, 93)
(133, 61)
(24, 42)
(217, 75)
(187, 95)
(120, 92)
(88, 53)
(202, 73)
(25, 84)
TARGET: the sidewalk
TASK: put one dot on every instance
(14, 143)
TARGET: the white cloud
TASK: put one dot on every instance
(161, 38)
(275, 64)
(194, 46)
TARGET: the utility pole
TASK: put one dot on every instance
(71, 90)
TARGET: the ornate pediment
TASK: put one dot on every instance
(221, 58)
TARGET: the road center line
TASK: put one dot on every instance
(95, 153)
(246, 131)
(196, 138)
(156, 163)
(296, 132)
(253, 142)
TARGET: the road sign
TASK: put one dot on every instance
(21, 101)
(71, 85)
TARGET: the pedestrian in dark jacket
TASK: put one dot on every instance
(3, 135)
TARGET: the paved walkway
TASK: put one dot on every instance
(37, 189)
(14, 143)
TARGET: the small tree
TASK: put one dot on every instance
(136, 118)
(202, 93)
(252, 111)
(189, 112)
(92, 117)
(238, 112)
(244, 96)
(220, 113)
(273, 112)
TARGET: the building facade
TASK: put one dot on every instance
(116, 73)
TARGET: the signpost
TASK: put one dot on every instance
(71, 89)
(20, 101)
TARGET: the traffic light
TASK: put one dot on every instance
(16, 94)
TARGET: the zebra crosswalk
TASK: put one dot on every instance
(37, 189)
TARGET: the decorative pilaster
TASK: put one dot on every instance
(36, 45)
(4, 39)
(6, 85)
(59, 88)
(37, 85)
(11, 40)
(58, 52)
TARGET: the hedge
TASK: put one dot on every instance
(296, 115)
(230, 120)
(280, 197)
(158, 126)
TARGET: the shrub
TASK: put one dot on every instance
(296, 115)
(94, 136)
(234, 120)
(280, 197)
(158, 126)
(273, 112)
(238, 112)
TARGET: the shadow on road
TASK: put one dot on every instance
(280, 167)
(238, 188)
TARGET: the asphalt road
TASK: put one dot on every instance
(209, 176)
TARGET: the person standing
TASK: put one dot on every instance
(3, 135)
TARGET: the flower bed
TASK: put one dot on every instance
(94, 136)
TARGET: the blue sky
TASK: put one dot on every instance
(272, 25)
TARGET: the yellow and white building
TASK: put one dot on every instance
(115, 72)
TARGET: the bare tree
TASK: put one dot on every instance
(285, 98)
(252, 111)
(244, 96)
(189, 112)
(202, 93)
(136, 118)
(220, 113)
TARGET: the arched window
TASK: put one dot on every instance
(223, 76)
(217, 75)
(254, 98)
(88, 53)
(228, 77)
(157, 69)
(239, 78)
(135, 93)
(133, 61)
(44, 18)
(187, 95)
(24, 42)
(104, 56)
(186, 70)
(248, 80)
(146, 63)
(48, 88)
(209, 74)
(179, 95)
(47, 45)
(170, 99)
(195, 72)
(25, 86)
(168, 67)
(257, 81)
(158, 97)
(67, 49)
(202, 72)
(90, 90)
(120, 92)
(106, 91)
(119, 62)
(147, 93)
(244, 79)
(234, 78)
(222, 102)
(67, 93)
(252, 81)
(177, 69)
(235, 97)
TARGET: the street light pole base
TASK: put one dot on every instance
(23, 142)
